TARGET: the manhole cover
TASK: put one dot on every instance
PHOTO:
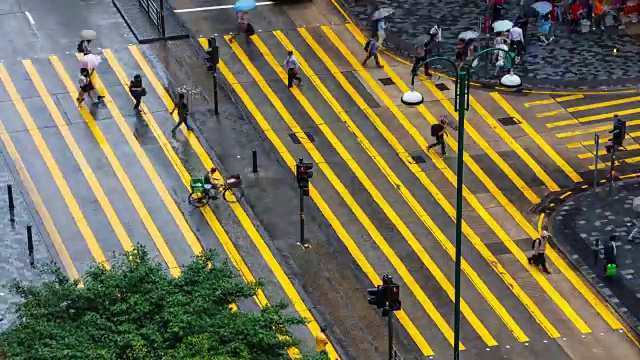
(296, 139)
(386, 81)
(442, 87)
(309, 136)
(418, 159)
(508, 121)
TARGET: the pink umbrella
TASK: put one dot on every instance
(90, 61)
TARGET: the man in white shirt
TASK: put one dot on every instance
(292, 66)
(516, 37)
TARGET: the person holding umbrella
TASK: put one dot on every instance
(85, 40)
(243, 26)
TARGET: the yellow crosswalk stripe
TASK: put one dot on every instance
(49, 225)
(413, 203)
(631, 160)
(495, 264)
(121, 174)
(322, 205)
(88, 173)
(603, 137)
(157, 182)
(362, 176)
(58, 178)
(553, 101)
(335, 181)
(593, 118)
(482, 176)
(524, 125)
(246, 222)
(627, 147)
(590, 131)
(590, 106)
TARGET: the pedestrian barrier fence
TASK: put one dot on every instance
(155, 12)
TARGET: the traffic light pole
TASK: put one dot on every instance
(302, 216)
(215, 90)
(390, 335)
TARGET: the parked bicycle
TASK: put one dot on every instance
(230, 190)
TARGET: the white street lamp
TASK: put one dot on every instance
(412, 98)
(511, 80)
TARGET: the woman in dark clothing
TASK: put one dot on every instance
(137, 90)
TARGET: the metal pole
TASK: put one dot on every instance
(595, 168)
(596, 252)
(254, 155)
(215, 90)
(302, 216)
(11, 204)
(462, 94)
(390, 334)
(162, 27)
(613, 161)
(32, 261)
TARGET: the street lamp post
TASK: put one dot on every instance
(413, 98)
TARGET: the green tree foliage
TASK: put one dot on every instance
(136, 310)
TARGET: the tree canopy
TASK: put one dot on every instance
(136, 310)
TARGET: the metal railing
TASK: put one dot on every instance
(155, 12)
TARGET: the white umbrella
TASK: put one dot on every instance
(88, 35)
(502, 25)
(468, 35)
(379, 14)
(90, 61)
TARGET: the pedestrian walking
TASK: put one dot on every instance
(381, 34)
(546, 30)
(137, 91)
(322, 341)
(183, 113)
(371, 47)
(86, 87)
(539, 246)
(438, 131)
(516, 41)
(423, 53)
(242, 26)
(598, 14)
(292, 65)
(83, 47)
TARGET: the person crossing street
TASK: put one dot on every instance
(292, 66)
(438, 131)
(371, 47)
(183, 113)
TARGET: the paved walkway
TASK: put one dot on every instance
(14, 258)
(591, 217)
(570, 61)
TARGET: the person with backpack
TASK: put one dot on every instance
(83, 47)
(292, 66)
(86, 87)
(243, 26)
(539, 246)
(137, 91)
(371, 47)
(183, 113)
(438, 131)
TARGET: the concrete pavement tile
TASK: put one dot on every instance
(507, 223)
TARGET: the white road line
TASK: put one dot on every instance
(30, 18)
(218, 7)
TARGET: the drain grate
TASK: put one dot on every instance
(442, 87)
(387, 81)
(509, 121)
(296, 139)
(309, 136)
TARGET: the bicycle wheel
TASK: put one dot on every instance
(198, 199)
(233, 195)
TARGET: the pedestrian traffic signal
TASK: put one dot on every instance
(377, 296)
(394, 297)
(619, 131)
(303, 174)
(213, 54)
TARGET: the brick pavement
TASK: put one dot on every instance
(14, 259)
(592, 217)
(570, 61)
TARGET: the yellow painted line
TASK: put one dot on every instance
(54, 235)
(246, 222)
(591, 106)
(413, 203)
(443, 201)
(482, 176)
(553, 100)
(339, 186)
(121, 174)
(88, 173)
(590, 154)
(593, 118)
(565, 195)
(537, 138)
(364, 179)
(631, 160)
(604, 128)
(322, 205)
(58, 178)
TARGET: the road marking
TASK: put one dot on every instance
(593, 118)
(603, 128)
(217, 7)
(537, 138)
(342, 190)
(58, 178)
(628, 147)
(126, 183)
(424, 179)
(246, 222)
(590, 106)
(366, 182)
(54, 235)
(511, 174)
(157, 182)
(324, 208)
(30, 18)
(553, 100)
(631, 160)
(591, 130)
(482, 176)
(413, 203)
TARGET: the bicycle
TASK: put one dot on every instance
(201, 193)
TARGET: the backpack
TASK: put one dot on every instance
(367, 45)
(80, 47)
(435, 129)
(250, 30)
